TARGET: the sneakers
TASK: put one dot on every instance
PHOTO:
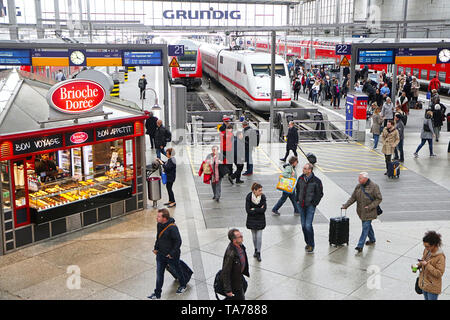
(309, 249)
(247, 173)
(416, 155)
(359, 249)
(369, 243)
(181, 289)
(275, 213)
(154, 297)
(239, 182)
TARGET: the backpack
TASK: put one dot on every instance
(141, 83)
(63, 77)
(218, 285)
(168, 135)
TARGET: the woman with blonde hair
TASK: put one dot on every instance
(377, 121)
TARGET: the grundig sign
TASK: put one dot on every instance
(76, 96)
(202, 14)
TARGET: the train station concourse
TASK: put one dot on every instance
(255, 150)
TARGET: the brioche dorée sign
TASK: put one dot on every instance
(76, 96)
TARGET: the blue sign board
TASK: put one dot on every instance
(349, 115)
(376, 56)
(176, 50)
(142, 58)
(343, 49)
(15, 57)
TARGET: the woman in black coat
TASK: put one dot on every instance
(255, 205)
(170, 168)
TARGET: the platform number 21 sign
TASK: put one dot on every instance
(176, 50)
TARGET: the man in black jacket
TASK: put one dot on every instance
(150, 125)
(142, 84)
(292, 141)
(160, 139)
(309, 194)
(167, 251)
(235, 265)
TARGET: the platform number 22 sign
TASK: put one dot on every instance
(343, 49)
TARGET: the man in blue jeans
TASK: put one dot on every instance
(167, 251)
(368, 197)
(309, 194)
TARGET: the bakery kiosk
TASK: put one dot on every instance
(68, 159)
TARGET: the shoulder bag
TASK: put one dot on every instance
(379, 210)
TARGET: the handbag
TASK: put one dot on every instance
(379, 210)
(286, 184)
(164, 177)
(417, 288)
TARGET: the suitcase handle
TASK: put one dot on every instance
(345, 210)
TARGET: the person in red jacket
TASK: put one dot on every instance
(226, 148)
(434, 84)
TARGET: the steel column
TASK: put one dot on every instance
(39, 26)
(57, 18)
(13, 28)
(272, 82)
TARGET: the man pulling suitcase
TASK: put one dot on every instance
(368, 197)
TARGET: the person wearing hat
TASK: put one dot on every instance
(226, 121)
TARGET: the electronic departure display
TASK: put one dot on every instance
(15, 57)
(142, 58)
(376, 56)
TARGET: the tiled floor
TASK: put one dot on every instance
(116, 261)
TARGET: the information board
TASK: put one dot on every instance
(142, 58)
(15, 57)
(343, 49)
(376, 56)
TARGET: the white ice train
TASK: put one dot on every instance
(247, 75)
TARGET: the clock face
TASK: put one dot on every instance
(77, 57)
(444, 55)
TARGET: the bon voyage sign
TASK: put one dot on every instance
(76, 96)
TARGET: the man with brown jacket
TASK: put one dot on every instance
(390, 139)
(368, 197)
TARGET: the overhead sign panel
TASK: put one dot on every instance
(343, 49)
(142, 58)
(176, 50)
(416, 56)
(376, 56)
(50, 57)
(15, 57)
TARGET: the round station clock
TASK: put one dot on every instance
(444, 55)
(77, 57)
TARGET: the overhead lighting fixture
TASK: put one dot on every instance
(156, 107)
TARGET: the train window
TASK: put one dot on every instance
(442, 76)
(221, 59)
(264, 69)
(416, 72)
(239, 64)
(424, 74)
(432, 74)
(408, 70)
(400, 69)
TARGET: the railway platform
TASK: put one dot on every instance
(116, 261)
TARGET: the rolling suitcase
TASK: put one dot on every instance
(187, 272)
(393, 169)
(339, 230)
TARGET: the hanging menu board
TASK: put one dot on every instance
(24, 146)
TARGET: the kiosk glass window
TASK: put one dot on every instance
(5, 180)
(107, 156)
(129, 146)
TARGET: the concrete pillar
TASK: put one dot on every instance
(57, 17)
(272, 83)
(70, 25)
(80, 7)
(39, 25)
(13, 28)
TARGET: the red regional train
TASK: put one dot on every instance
(189, 73)
(324, 48)
(48, 72)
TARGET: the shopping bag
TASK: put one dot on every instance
(286, 184)
(428, 95)
(164, 177)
